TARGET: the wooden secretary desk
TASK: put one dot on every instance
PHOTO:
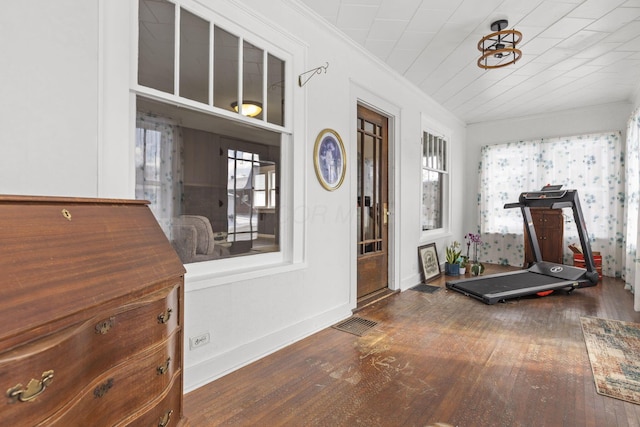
(91, 315)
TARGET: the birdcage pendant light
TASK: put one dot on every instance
(499, 48)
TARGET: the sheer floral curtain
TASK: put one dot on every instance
(159, 167)
(631, 273)
(591, 164)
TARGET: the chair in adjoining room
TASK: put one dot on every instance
(194, 239)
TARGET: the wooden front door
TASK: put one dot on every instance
(372, 202)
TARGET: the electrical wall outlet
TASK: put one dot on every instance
(198, 341)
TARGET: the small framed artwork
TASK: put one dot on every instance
(329, 159)
(428, 256)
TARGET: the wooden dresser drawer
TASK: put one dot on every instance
(76, 356)
(121, 391)
(137, 325)
(164, 413)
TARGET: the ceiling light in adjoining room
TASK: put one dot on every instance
(499, 48)
(249, 108)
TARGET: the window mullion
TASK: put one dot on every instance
(265, 80)
(240, 73)
(176, 52)
(211, 67)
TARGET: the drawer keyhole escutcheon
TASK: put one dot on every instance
(164, 317)
(33, 390)
(66, 214)
(102, 389)
(105, 326)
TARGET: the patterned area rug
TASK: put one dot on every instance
(614, 352)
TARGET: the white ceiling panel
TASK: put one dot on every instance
(414, 40)
(616, 19)
(546, 14)
(575, 52)
(400, 59)
(355, 16)
(566, 27)
(399, 9)
(595, 9)
(380, 48)
(387, 29)
(630, 46)
(429, 20)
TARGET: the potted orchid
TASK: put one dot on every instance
(477, 267)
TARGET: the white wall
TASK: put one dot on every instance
(49, 97)
(594, 119)
(68, 129)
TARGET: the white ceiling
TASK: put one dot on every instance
(575, 52)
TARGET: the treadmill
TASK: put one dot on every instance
(541, 275)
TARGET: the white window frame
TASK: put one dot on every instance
(243, 34)
(429, 127)
(292, 230)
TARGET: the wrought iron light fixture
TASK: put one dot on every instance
(249, 108)
(499, 48)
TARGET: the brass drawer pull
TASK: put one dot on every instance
(163, 369)
(33, 390)
(165, 419)
(164, 317)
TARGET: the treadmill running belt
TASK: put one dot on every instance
(497, 287)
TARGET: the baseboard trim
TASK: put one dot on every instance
(209, 370)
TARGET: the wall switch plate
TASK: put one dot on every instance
(198, 341)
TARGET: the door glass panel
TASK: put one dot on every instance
(360, 201)
(225, 68)
(156, 40)
(368, 182)
(194, 57)
(370, 213)
(368, 127)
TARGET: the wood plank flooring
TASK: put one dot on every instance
(433, 359)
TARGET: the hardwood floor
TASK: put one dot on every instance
(433, 358)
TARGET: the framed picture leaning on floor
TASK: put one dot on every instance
(428, 258)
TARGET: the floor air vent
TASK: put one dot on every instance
(355, 325)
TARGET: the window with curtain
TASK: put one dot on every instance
(434, 174)
(200, 186)
(158, 156)
(591, 164)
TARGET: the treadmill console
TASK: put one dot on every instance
(537, 195)
(553, 193)
(550, 187)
